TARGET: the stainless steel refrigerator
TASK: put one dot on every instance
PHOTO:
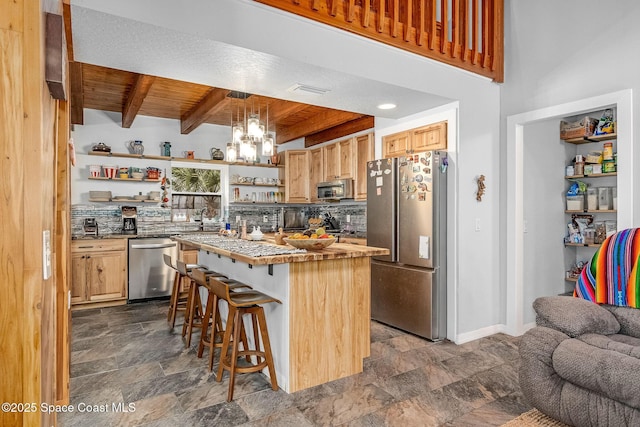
(407, 213)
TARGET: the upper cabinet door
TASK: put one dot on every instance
(395, 145)
(331, 162)
(316, 171)
(364, 153)
(347, 158)
(428, 138)
(296, 176)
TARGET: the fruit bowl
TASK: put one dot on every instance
(310, 244)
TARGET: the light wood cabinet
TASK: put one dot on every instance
(296, 167)
(364, 149)
(428, 138)
(331, 162)
(425, 138)
(339, 159)
(395, 145)
(99, 271)
(348, 158)
(316, 171)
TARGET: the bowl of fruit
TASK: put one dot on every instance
(311, 240)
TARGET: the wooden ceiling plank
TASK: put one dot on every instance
(281, 109)
(213, 101)
(321, 121)
(348, 128)
(135, 98)
(77, 93)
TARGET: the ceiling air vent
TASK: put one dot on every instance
(308, 89)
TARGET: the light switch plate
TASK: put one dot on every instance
(46, 254)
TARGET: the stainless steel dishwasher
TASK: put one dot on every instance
(149, 277)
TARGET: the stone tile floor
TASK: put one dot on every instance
(127, 354)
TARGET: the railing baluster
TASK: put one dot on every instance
(455, 27)
(474, 37)
(497, 44)
(444, 25)
(420, 27)
(366, 13)
(433, 24)
(408, 21)
(395, 18)
(333, 11)
(464, 29)
(485, 33)
(315, 5)
(351, 10)
(381, 15)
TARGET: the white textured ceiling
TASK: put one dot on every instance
(114, 40)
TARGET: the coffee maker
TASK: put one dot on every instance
(129, 218)
(90, 227)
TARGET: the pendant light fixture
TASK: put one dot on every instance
(247, 133)
(232, 147)
(267, 142)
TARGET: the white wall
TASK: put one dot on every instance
(572, 60)
(544, 202)
(577, 54)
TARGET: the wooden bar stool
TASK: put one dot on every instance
(212, 316)
(178, 300)
(194, 313)
(241, 303)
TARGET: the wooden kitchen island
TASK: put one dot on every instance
(321, 331)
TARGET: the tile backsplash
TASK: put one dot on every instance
(157, 220)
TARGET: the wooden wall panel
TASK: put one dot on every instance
(27, 208)
(11, 15)
(62, 253)
(12, 224)
(329, 322)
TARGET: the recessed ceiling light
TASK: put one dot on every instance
(387, 106)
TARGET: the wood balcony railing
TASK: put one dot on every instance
(468, 34)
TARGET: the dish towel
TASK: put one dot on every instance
(612, 276)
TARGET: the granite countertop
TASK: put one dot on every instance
(243, 250)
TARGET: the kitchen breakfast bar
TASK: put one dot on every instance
(321, 331)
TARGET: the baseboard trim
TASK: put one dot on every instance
(480, 333)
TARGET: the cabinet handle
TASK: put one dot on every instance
(85, 247)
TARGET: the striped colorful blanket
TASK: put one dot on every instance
(612, 276)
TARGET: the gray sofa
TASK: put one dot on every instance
(581, 363)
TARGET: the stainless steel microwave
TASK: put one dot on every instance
(335, 190)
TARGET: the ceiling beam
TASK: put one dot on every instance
(213, 101)
(77, 93)
(319, 122)
(348, 128)
(136, 97)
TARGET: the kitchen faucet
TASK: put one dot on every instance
(202, 211)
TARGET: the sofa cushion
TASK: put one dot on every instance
(606, 371)
(628, 317)
(574, 316)
(624, 344)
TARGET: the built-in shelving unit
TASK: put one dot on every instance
(581, 252)
(256, 185)
(181, 159)
(102, 178)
